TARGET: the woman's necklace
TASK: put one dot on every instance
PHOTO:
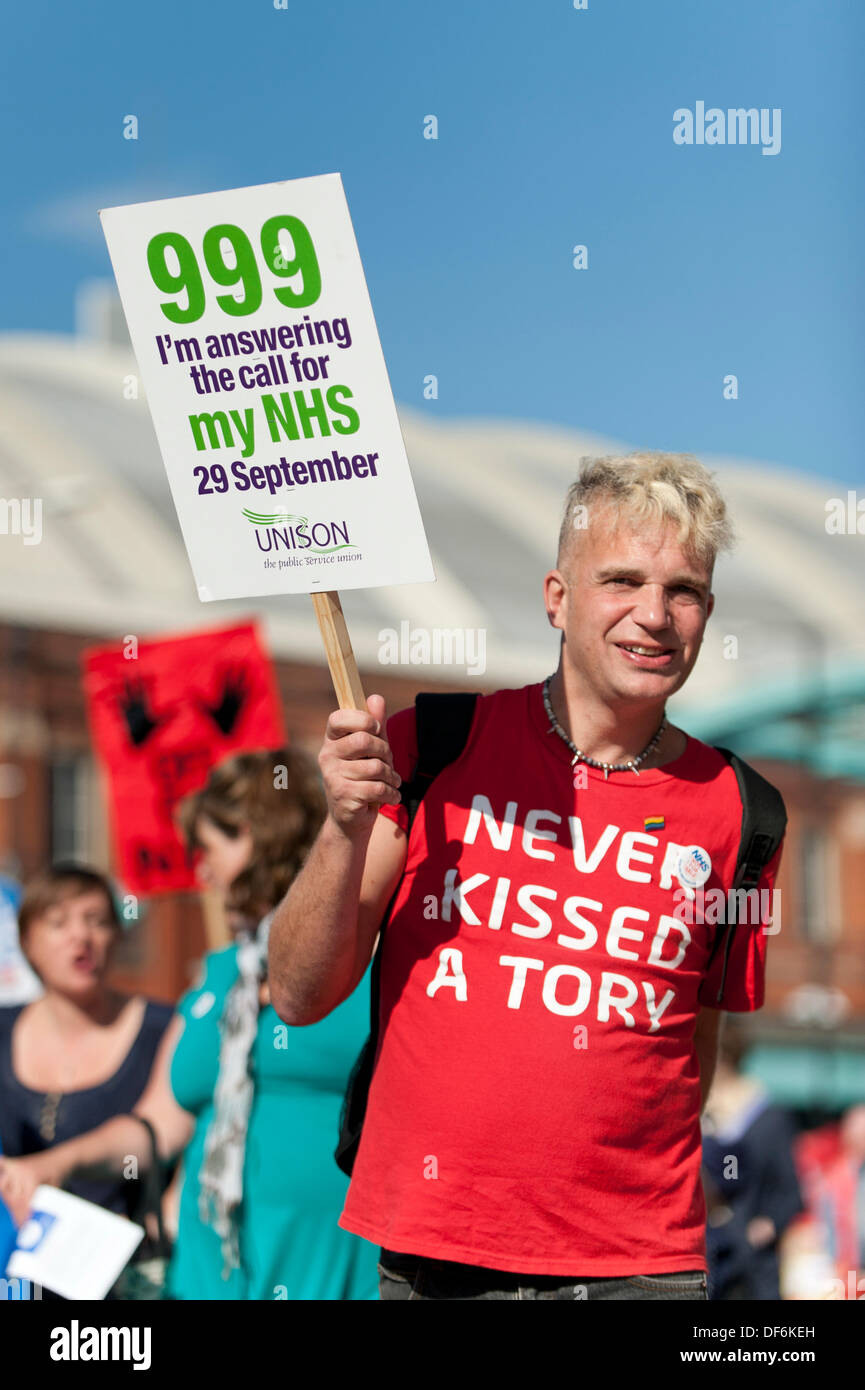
(632, 765)
(67, 1071)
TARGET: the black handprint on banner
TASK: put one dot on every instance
(140, 723)
(235, 691)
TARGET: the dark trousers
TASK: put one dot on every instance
(404, 1277)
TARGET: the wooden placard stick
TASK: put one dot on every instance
(337, 646)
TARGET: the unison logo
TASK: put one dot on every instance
(730, 127)
(292, 532)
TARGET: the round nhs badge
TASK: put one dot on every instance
(694, 867)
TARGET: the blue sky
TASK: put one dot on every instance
(555, 128)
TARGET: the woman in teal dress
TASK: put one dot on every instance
(251, 1103)
(293, 1192)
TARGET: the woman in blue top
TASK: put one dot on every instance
(82, 1052)
(254, 1103)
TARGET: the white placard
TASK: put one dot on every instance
(254, 333)
(73, 1247)
(18, 984)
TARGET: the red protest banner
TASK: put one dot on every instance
(162, 713)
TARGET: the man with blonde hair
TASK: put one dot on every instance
(548, 1015)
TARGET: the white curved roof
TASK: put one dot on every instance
(491, 492)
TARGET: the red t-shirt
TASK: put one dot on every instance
(535, 1101)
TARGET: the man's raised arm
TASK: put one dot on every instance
(324, 930)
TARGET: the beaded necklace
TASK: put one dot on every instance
(632, 765)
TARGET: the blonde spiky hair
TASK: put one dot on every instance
(651, 487)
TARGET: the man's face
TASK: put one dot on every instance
(621, 589)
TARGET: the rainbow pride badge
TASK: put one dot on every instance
(653, 823)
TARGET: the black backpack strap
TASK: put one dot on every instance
(443, 724)
(764, 820)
